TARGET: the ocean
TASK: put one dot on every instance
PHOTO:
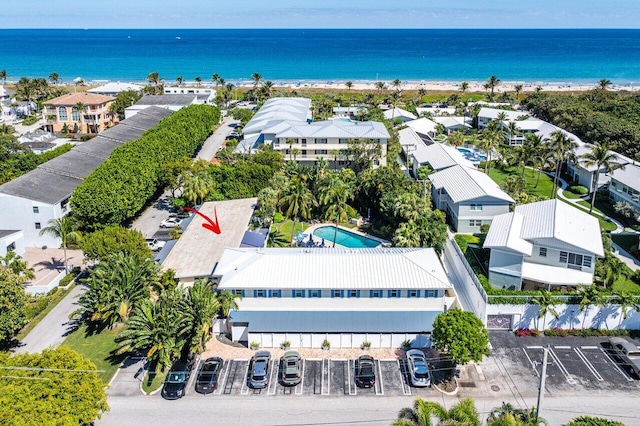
(565, 56)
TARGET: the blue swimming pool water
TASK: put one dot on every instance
(472, 156)
(344, 238)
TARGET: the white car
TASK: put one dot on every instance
(418, 368)
(172, 222)
(155, 245)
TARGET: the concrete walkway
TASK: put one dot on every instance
(213, 143)
(55, 327)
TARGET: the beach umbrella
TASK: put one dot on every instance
(311, 238)
(322, 244)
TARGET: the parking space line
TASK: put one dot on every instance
(328, 378)
(192, 377)
(355, 390)
(533, 365)
(405, 385)
(300, 387)
(562, 347)
(616, 366)
(225, 375)
(589, 347)
(535, 347)
(381, 385)
(589, 365)
(562, 368)
(244, 389)
(271, 381)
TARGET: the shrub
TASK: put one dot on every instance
(586, 332)
(69, 277)
(578, 189)
(254, 345)
(484, 228)
(326, 343)
(285, 345)
(28, 121)
(366, 345)
(406, 343)
(526, 332)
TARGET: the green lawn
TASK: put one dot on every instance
(625, 284)
(571, 195)
(285, 228)
(153, 380)
(98, 347)
(543, 189)
(626, 241)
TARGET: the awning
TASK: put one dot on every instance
(555, 275)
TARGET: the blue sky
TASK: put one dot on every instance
(321, 14)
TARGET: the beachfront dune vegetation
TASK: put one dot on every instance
(119, 188)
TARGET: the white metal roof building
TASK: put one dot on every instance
(347, 296)
(625, 186)
(469, 198)
(548, 243)
(399, 114)
(113, 88)
(289, 109)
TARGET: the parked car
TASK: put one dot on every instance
(182, 214)
(175, 385)
(628, 353)
(365, 372)
(260, 370)
(171, 222)
(291, 368)
(207, 379)
(418, 368)
(155, 245)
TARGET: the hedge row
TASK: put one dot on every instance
(119, 188)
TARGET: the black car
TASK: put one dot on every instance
(175, 385)
(207, 379)
(365, 372)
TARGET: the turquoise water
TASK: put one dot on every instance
(472, 156)
(344, 238)
(571, 56)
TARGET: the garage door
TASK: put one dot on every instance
(499, 322)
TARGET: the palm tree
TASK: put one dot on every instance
(601, 157)
(589, 295)
(546, 303)
(54, 78)
(63, 228)
(154, 78)
(604, 83)
(489, 141)
(397, 85)
(407, 235)
(507, 414)
(518, 89)
(268, 85)
(80, 107)
(380, 86)
(422, 413)
(626, 301)
(196, 188)
(3, 76)
(257, 79)
(203, 307)
(491, 83)
(456, 139)
(348, 85)
(116, 286)
(298, 201)
(464, 86)
(334, 197)
(215, 77)
(228, 302)
(562, 149)
(198, 80)
(179, 80)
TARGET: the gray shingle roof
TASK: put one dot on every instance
(122, 133)
(41, 185)
(167, 99)
(98, 146)
(73, 163)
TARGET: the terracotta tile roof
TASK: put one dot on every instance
(84, 97)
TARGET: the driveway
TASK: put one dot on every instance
(215, 141)
(55, 327)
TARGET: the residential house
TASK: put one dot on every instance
(348, 112)
(205, 95)
(425, 128)
(469, 198)
(113, 88)
(544, 245)
(63, 113)
(453, 124)
(487, 115)
(435, 111)
(625, 186)
(436, 156)
(11, 240)
(399, 114)
(346, 296)
(31, 200)
(172, 102)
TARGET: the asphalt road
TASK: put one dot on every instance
(55, 327)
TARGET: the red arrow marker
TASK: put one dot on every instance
(213, 226)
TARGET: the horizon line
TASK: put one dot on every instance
(322, 28)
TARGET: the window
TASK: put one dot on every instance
(343, 140)
(473, 222)
(563, 257)
(375, 293)
(586, 261)
(304, 152)
(337, 293)
(321, 141)
(321, 151)
(354, 293)
(36, 209)
(75, 114)
(259, 293)
(315, 293)
(62, 114)
(413, 293)
(393, 293)
(304, 142)
(476, 207)
(431, 293)
(11, 247)
(238, 292)
(543, 252)
(298, 293)
(38, 226)
(575, 261)
(275, 293)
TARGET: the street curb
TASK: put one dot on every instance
(454, 392)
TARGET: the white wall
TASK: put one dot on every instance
(343, 340)
(17, 238)
(17, 213)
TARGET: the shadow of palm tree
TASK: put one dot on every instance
(53, 264)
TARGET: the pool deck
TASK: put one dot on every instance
(329, 244)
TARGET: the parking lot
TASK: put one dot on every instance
(572, 364)
(320, 377)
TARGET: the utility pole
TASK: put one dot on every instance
(543, 376)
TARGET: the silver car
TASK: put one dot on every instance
(291, 368)
(418, 368)
(259, 375)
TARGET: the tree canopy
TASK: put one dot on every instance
(101, 244)
(13, 304)
(461, 335)
(72, 394)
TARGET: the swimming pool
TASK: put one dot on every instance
(344, 238)
(472, 156)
